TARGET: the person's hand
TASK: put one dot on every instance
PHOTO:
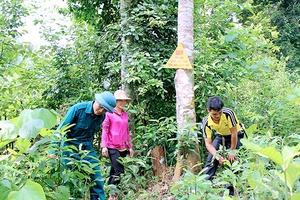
(222, 160)
(104, 152)
(231, 157)
(131, 152)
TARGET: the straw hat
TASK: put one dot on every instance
(121, 95)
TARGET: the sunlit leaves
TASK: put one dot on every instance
(5, 189)
(49, 118)
(31, 128)
(8, 130)
(31, 190)
(22, 144)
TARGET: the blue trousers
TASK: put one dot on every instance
(212, 166)
(96, 191)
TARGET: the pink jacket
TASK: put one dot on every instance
(115, 131)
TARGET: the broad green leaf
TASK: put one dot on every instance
(31, 190)
(8, 131)
(4, 190)
(292, 175)
(49, 118)
(288, 153)
(23, 144)
(31, 128)
(6, 183)
(295, 196)
(272, 154)
(24, 117)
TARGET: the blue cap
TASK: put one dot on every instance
(106, 100)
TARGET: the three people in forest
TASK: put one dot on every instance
(220, 127)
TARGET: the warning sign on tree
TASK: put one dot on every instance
(179, 59)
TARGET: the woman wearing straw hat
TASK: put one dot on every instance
(116, 140)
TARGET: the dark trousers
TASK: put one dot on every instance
(96, 191)
(213, 165)
(116, 167)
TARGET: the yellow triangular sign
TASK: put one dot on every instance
(179, 59)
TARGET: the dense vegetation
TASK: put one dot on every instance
(247, 52)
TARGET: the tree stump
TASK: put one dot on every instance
(158, 161)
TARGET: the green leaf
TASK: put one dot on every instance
(5, 189)
(24, 117)
(31, 190)
(62, 193)
(254, 183)
(49, 118)
(45, 132)
(229, 38)
(35, 146)
(232, 55)
(2, 144)
(8, 131)
(292, 175)
(273, 154)
(295, 196)
(31, 128)
(288, 153)
(250, 145)
(23, 144)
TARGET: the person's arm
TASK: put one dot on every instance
(231, 156)
(212, 150)
(104, 137)
(131, 152)
(233, 131)
(128, 139)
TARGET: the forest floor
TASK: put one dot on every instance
(161, 189)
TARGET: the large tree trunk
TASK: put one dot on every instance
(126, 41)
(184, 84)
(124, 5)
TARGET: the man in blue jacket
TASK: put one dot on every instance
(86, 119)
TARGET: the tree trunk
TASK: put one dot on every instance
(184, 84)
(158, 161)
(126, 41)
(124, 5)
